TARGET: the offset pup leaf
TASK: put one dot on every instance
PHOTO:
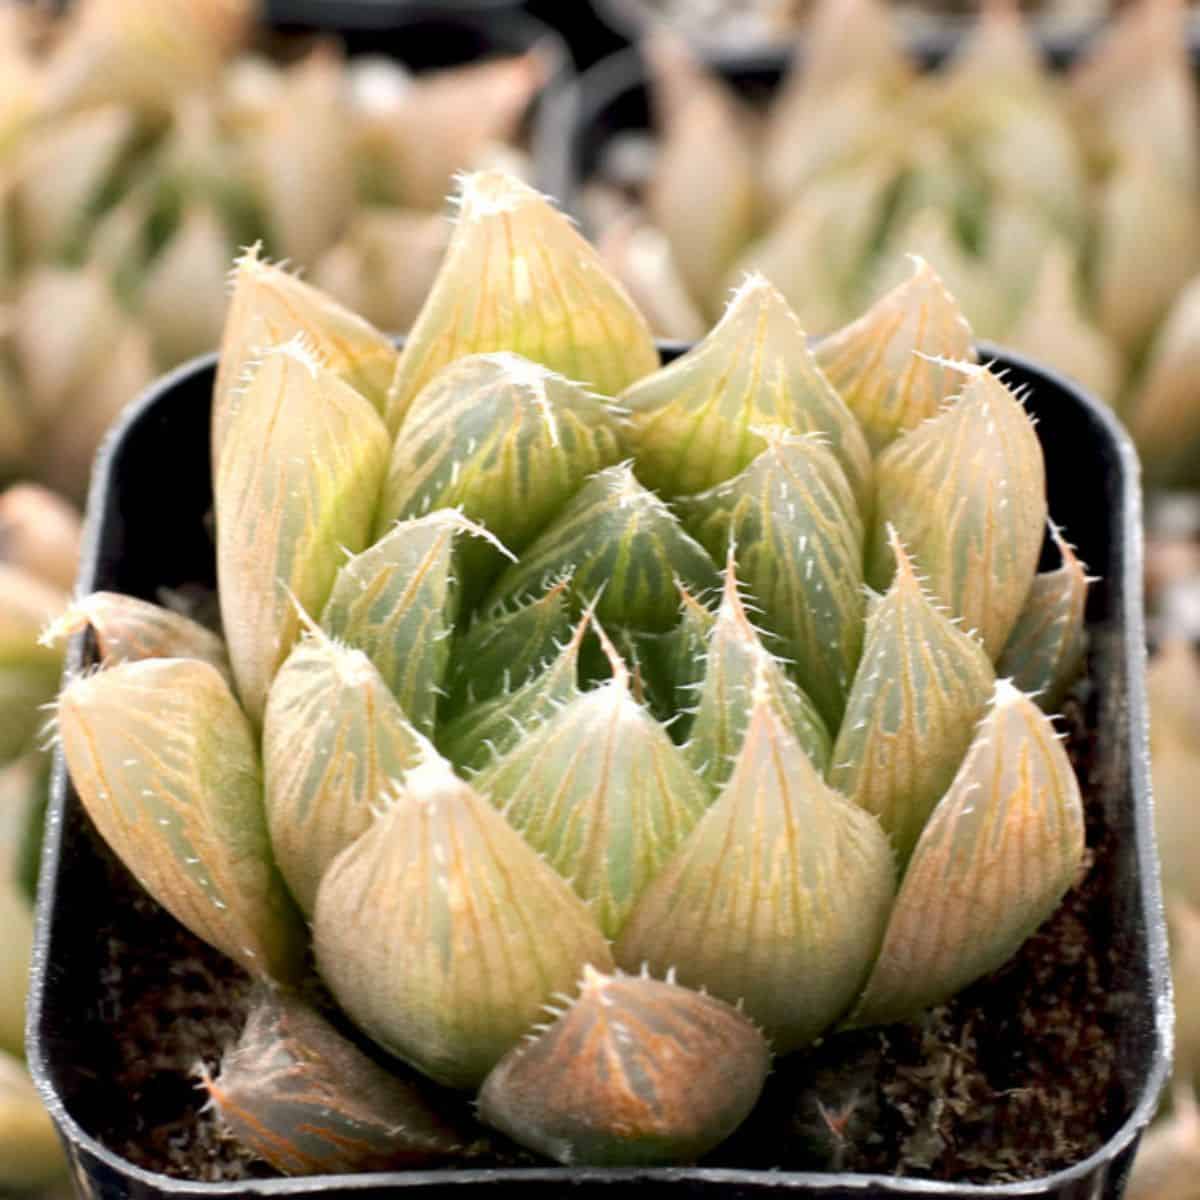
(881, 364)
(309, 1102)
(735, 659)
(269, 307)
(442, 933)
(996, 858)
(967, 495)
(919, 692)
(518, 277)
(503, 439)
(797, 539)
(397, 602)
(634, 1072)
(128, 630)
(297, 488)
(166, 765)
(488, 729)
(695, 423)
(1044, 653)
(334, 743)
(602, 793)
(620, 542)
(779, 896)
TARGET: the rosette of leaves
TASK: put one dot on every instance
(1058, 206)
(141, 145)
(554, 707)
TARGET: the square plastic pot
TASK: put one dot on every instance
(147, 528)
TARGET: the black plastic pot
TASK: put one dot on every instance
(371, 14)
(613, 98)
(147, 528)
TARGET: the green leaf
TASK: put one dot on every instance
(696, 422)
(269, 307)
(602, 792)
(919, 692)
(797, 539)
(296, 489)
(735, 659)
(397, 602)
(166, 765)
(1044, 652)
(966, 492)
(620, 542)
(442, 934)
(884, 365)
(334, 742)
(777, 899)
(504, 440)
(518, 277)
(1000, 851)
(310, 1102)
(634, 1072)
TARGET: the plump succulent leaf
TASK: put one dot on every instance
(704, 148)
(602, 793)
(634, 1072)
(797, 538)
(309, 1102)
(442, 933)
(518, 277)
(884, 364)
(334, 742)
(695, 423)
(397, 602)
(996, 858)
(620, 542)
(1044, 653)
(921, 687)
(502, 438)
(734, 660)
(127, 629)
(296, 489)
(485, 730)
(39, 533)
(269, 307)
(503, 650)
(166, 765)
(779, 896)
(966, 492)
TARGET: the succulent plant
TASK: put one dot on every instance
(39, 547)
(142, 148)
(566, 698)
(1059, 207)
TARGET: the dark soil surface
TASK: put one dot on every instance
(1017, 1077)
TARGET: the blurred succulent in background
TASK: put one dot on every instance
(1059, 207)
(140, 148)
(39, 546)
(553, 700)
